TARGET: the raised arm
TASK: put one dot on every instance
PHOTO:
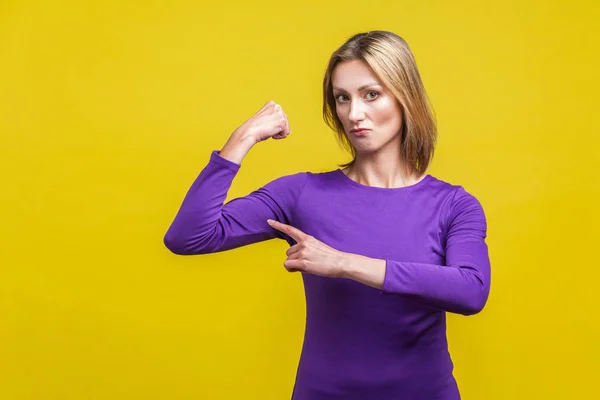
(204, 224)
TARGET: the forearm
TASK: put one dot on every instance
(237, 146)
(462, 290)
(366, 270)
(190, 230)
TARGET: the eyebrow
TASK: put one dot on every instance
(362, 87)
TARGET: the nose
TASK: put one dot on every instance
(356, 111)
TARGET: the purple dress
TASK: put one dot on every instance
(360, 342)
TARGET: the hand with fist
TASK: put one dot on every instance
(269, 122)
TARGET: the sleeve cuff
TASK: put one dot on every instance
(216, 158)
(384, 286)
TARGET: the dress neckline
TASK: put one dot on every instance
(426, 178)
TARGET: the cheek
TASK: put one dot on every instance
(387, 111)
(388, 115)
(342, 115)
(339, 114)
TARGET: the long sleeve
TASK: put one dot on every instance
(204, 224)
(460, 286)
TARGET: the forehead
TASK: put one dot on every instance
(352, 74)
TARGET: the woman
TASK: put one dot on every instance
(384, 248)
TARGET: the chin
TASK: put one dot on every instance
(363, 149)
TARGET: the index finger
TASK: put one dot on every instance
(295, 233)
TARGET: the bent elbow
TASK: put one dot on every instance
(175, 244)
(189, 245)
(476, 302)
(474, 307)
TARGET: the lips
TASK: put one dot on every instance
(360, 132)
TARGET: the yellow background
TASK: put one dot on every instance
(109, 110)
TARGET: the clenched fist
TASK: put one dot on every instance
(269, 122)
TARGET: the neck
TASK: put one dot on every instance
(384, 172)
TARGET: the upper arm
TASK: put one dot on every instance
(466, 245)
(244, 219)
(206, 224)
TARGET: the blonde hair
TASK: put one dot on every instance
(391, 59)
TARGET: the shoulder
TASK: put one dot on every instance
(456, 194)
(305, 178)
(459, 202)
(300, 184)
(289, 183)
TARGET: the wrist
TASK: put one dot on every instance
(349, 265)
(244, 136)
(366, 270)
(236, 148)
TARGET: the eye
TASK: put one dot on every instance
(340, 96)
(372, 93)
